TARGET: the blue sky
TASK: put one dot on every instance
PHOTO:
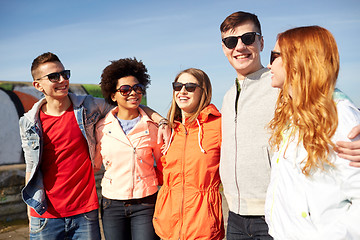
(168, 36)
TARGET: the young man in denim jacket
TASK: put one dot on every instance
(58, 140)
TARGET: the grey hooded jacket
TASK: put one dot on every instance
(245, 153)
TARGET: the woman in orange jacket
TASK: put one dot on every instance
(127, 146)
(189, 202)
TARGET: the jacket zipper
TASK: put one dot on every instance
(133, 172)
(237, 99)
(183, 183)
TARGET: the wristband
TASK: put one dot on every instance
(163, 121)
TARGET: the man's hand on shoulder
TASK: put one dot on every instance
(350, 150)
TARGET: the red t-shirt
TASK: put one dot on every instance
(66, 167)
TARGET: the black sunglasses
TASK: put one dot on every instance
(190, 87)
(247, 39)
(55, 77)
(274, 55)
(125, 90)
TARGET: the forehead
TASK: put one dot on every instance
(49, 67)
(277, 47)
(186, 77)
(242, 28)
(129, 80)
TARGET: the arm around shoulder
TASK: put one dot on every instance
(351, 150)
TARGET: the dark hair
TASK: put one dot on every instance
(238, 18)
(43, 58)
(205, 84)
(122, 68)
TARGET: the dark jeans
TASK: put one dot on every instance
(128, 219)
(81, 226)
(247, 227)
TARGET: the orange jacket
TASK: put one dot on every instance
(189, 202)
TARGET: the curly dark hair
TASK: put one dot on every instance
(122, 68)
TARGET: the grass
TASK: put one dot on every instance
(7, 86)
(93, 90)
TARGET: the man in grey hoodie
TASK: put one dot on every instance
(247, 108)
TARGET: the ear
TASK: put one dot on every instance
(113, 97)
(224, 48)
(38, 86)
(262, 43)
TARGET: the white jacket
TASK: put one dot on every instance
(325, 205)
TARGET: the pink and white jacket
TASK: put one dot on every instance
(128, 159)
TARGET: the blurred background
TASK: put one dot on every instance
(168, 36)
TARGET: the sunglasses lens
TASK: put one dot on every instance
(65, 74)
(125, 90)
(138, 88)
(177, 86)
(230, 42)
(273, 56)
(248, 38)
(190, 87)
(54, 77)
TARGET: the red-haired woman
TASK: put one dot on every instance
(313, 193)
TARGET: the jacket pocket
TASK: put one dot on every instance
(105, 203)
(37, 224)
(145, 162)
(32, 140)
(160, 201)
(33, 144)
(163, 215)
(92, 215)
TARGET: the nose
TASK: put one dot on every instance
(62, 79)
(183, 89)
(269, 66)
(240, 45)
(132, 92)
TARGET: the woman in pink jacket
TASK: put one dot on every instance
(127, 146)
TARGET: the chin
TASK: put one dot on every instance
(275, 85)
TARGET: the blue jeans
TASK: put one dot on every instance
(128, 219)
(81, 226)
(247, 227)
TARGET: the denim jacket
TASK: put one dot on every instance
(88, 111)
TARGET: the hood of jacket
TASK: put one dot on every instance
(203, 117)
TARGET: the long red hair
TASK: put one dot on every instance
(311, 60)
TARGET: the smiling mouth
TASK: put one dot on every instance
(62, 88)
(133, 100)
(243, 56)
(183, 98)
